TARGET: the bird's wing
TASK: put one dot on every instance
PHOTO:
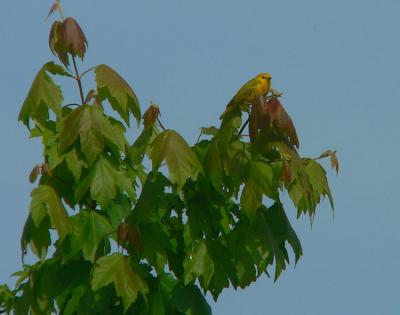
(245, 92)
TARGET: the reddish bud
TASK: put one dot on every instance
(54, 7)
(151, 115)
(335, 162)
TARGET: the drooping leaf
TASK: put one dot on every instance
(277, 116)
(45, 198)
(56, 44)
(117, 269)
(72, 38)
(334, 162)
(318, 180)
(36, 236)
(181, 160)
(260, 182)
(44, 94)
(111, 86)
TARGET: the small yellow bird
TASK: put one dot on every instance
(249, 91)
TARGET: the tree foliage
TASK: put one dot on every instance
(134, 240)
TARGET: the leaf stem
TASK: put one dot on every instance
(324, 155)
(244, 126)
(88, 70)
(78, 80)
(161, 125)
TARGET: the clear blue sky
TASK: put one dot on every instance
(338, 63)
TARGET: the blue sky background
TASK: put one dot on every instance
(338, 64)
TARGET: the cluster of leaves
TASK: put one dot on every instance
(136, 241)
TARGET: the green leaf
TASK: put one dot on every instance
(89, 228)
(210, 131)
(56, 69)
(150, 198)
(74, 163)
(43, 94)
(45, 197)
(259, 182)
(211, 263)
(142, 144)
(118, 270)
(103, 187)
(272, 229)
(104, 180)
(189, 300)
(213, 164)
(181, 160)
(118, 210)
(38, 237)
(85, 122)
(111, 86)
(155, 244)
(318, 181)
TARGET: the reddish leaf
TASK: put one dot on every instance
(151, 115)
(122, 233)
(335, 162)
(257, 117)
(55, 43)
(128, 233)
(34, 173)
(286, 174)
(279, 118)
(73, 38)
(91, 94)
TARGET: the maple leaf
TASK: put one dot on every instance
(111, 86)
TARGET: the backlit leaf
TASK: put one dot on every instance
(181, 160)
(44, 198)
(44, 94)
(84, 122)
(111, 86)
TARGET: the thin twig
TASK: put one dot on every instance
(322, 156)
(244, 126)
(88, 70)
(161, 125)
(198, 138)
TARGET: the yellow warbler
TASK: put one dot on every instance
(249, 91)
